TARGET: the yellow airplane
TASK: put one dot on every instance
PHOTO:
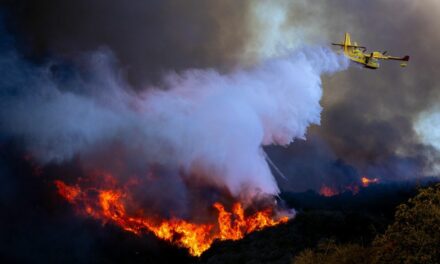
(357, 54)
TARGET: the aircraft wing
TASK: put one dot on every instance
(381, 56)
(349, 46)
(406, 58)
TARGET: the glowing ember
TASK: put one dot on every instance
(367, 181)
(109, 205)
(328, 191)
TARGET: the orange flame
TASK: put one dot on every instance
(367, 181)
(68, 192)
(196, 237)
(328, 191)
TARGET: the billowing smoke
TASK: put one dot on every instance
(200, 122)
(368, 122)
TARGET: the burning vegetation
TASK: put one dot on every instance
(329, 191)
(109, 204)
(367, 181)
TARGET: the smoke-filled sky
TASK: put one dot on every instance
(108, 56)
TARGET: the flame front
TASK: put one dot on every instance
(108, 205)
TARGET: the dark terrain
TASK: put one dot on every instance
(37, 226)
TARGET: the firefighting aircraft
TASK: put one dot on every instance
(357, 54)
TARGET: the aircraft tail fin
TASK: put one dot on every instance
(346, 45)
(347, 40)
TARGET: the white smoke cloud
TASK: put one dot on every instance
(278, 27)
(200, 121)
(427, 128)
